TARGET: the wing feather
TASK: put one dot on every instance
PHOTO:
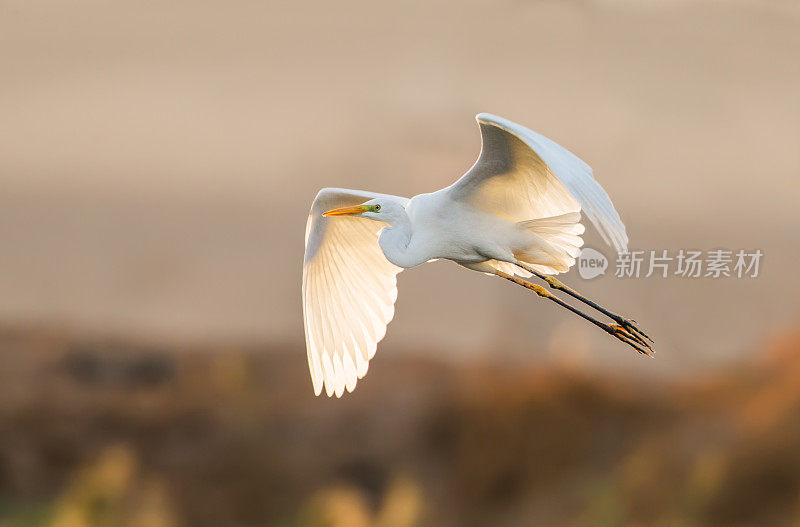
(523, 175)
(349, 291)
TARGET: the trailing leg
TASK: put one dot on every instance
(612, 329)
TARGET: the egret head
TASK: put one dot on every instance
(378, 209)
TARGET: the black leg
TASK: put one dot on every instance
(626, 324)
(615, 330)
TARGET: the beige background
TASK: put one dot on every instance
(157, 162)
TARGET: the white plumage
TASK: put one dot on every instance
(349, 289)
(515, 212)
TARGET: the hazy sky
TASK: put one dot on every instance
(158, 161)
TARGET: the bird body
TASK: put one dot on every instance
(514, 214)
(436, 227)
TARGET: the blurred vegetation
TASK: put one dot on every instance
(106, 433)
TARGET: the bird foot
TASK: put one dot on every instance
(631, 337)
(630, 326)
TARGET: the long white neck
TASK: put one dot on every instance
(395, 241)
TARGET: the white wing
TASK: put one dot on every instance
(522, 175)
(349, 290)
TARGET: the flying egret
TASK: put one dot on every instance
(515, 214)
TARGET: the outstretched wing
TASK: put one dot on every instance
(522, 175)
(349, 290)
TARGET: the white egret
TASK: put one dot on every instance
(515, 214)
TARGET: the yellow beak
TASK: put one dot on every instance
(347, 211)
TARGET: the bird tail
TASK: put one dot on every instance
(553, 242)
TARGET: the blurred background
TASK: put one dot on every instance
(158, 161)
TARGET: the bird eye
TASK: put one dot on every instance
(377, 208)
